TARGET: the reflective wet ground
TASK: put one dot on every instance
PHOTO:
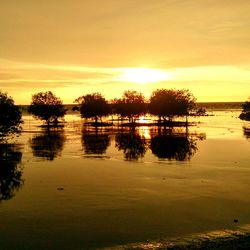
(82, 187)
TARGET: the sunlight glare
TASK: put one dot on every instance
(143, 75)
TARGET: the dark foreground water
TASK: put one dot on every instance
(148, 188)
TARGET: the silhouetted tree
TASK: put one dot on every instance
(132, 144)
(173, 147)
(47, 107)
(10, 116)
(95, 142)
(131, 105)
(48, 145)
(168, 103)
(10, 170)
(245, 114)
(201, 112)
(93, 106)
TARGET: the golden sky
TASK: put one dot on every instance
(76, 47)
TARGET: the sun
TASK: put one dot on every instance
(143, 75)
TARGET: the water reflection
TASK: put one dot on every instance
(10, 170)
(95, 142)
(246, 132)
(48, 145)
(133, 145)
(174, 146)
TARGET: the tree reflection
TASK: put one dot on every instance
(48, 145)
(10, 171)
(246, 132)
(171, 146)
(132, 144)
(95, 142)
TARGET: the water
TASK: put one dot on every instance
(82, 188)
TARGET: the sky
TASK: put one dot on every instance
(76, 47)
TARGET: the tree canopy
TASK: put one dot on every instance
(47, 107)
(131, 105)
(10, 116)
(93, 106)
(245, 114)
(168, 103)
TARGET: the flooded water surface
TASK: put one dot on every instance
(81, 187)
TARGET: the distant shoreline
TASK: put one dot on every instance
(199, 103)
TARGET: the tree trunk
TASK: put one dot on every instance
(159, 120)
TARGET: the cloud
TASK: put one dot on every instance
(121, 33)
(21, 75)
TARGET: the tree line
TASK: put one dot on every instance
(166, 104)
(163, 103)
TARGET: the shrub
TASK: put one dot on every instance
(168, 103)
(93, 106)
(10, 116)
(47, 107)
(131, 105)
(245, 114)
